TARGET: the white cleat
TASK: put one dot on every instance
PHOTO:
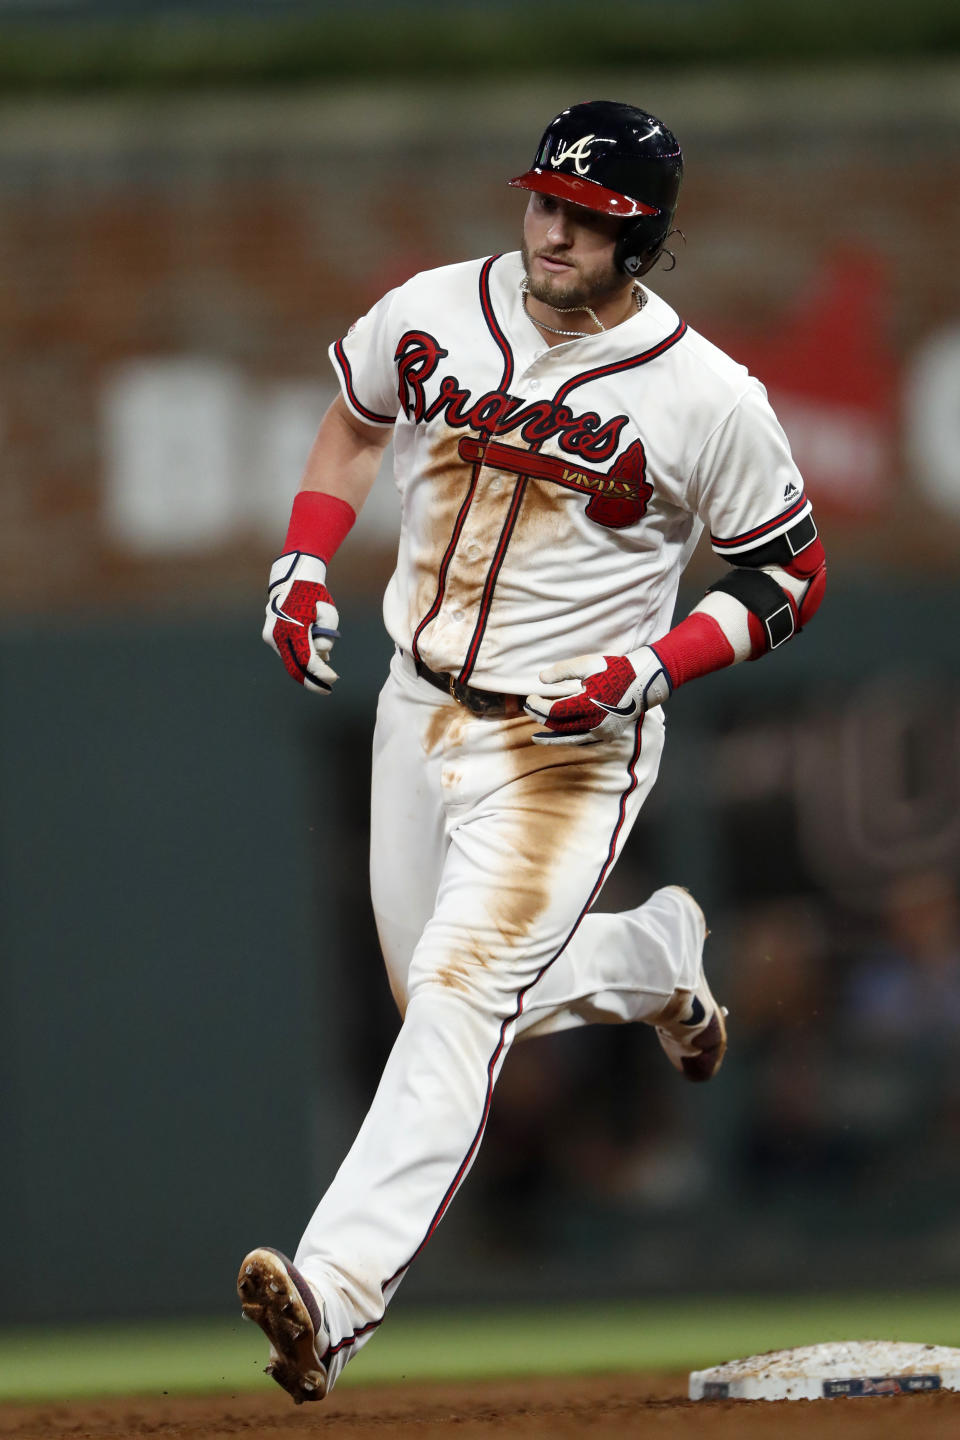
(281, 1301)
(691, 1027)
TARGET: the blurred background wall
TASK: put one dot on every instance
(193, 203)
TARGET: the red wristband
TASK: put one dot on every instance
(319, 524)
(693, 648)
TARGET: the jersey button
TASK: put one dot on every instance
(458, 615)
(473, 550)
(496, 485)
(533, 384)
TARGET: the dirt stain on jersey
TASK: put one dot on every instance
(448, 478)
(545, 521)
(481, 535)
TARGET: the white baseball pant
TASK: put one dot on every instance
(487, 852)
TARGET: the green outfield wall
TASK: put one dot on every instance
(194, 1016)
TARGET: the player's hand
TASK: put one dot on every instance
(302, 620)
(596, 697)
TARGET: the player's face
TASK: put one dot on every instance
(568, 253)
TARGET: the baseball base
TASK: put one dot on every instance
(817, 1372)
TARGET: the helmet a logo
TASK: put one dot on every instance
(579, 153)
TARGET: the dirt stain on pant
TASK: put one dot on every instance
(547, 794)
(444, 727)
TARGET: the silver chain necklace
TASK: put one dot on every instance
(638, 296)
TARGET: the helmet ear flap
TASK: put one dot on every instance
(637, 250)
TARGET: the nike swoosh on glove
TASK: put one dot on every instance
(301, 622)
(604, 695)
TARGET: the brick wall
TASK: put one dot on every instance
(173, 272)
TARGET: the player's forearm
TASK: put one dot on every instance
(340, 471)
(753, 610)
(742, 617)
(345, 457)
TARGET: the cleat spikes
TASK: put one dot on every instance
(283, 1304)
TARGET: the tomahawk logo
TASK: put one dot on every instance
(579, 151)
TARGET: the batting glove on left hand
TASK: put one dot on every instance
(302, 620)
(603, 695)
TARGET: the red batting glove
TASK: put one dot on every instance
(596, 697)
(301, 622)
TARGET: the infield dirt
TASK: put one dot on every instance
(622, 1405)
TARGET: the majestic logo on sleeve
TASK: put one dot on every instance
(579, 151)
(585, 436)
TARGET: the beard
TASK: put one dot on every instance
(575, 290)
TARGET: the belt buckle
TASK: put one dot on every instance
(471, 700)
(461, 693)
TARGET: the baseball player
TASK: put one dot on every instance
(561, 439)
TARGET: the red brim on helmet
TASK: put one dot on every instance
(579, 191)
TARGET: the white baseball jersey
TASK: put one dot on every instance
(551, 496)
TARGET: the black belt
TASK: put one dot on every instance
(488, 703)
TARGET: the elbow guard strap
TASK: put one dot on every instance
(784, 550)
(764, 598)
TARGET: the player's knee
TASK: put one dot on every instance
(455, 978)
(459, 975)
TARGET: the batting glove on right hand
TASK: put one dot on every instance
(595, 697)
(302, 620)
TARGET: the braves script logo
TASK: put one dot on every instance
(579, 150)
(418, 355)
(618, 497)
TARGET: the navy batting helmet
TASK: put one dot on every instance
(616, 159)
